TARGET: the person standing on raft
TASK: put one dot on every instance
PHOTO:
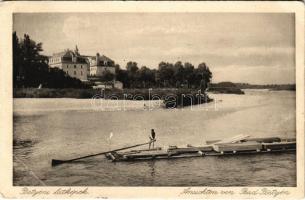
(152, 138)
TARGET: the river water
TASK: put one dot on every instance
(45, 129)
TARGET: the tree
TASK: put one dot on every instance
(166, 72)
(146, 76)
(132, 69)
(107, 76)
(178, 73)
(122, 76)
(32, 66)
(204, 75)
(117, 68)
(18, 75)
(189, 73)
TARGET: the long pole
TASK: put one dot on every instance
(58, 162)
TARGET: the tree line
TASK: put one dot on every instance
(167, 75)
(30, 69)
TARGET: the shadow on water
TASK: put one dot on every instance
(23, 148)
(152, 167)
(26, 118)
(19, 144)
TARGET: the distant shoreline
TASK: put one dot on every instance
(291, 87)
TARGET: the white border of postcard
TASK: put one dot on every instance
(6, 181)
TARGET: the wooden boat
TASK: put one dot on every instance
(237, 146)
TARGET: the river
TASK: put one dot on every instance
(45, 129)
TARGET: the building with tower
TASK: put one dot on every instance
(72, 63)
(79, 66)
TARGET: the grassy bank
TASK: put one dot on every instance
(225, 88)
(54, 93)
(135, 94)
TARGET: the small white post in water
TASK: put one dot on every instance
(109, 139)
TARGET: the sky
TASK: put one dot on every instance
(257, 48)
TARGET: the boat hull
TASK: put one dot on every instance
(242, 146)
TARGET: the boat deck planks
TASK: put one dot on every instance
(243, 146)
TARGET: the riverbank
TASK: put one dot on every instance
(128, 94)
(225, 88)
(54, 93)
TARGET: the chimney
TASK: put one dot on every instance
(97, 58)
(74, 57)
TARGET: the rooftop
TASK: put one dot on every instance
(68, 54)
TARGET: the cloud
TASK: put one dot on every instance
(168, 30)
(75, 24)
(264, 51)
(79, 30)
(228, 51)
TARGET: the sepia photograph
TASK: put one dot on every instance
(155, 99)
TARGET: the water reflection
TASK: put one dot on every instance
(151, 165)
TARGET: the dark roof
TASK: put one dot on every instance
(67, 56)
(67, 53)
(102, 58)
(105, 58)
(59, 54)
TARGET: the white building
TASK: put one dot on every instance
(100, 64)
(72, 63)
(108, 85)
(81, 67)
(118, 85)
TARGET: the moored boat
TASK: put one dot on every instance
(235, 146)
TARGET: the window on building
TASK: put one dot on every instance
(74, 66)
(81, 67)
(67, 66)
(67, 72)
(81, 73)
(74, 72)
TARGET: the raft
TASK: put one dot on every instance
(237, 146)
